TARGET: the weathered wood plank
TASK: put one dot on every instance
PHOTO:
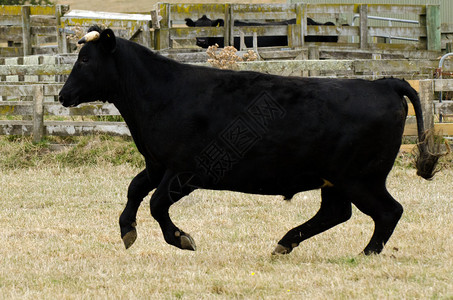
(87, 109)
(42, 10)
(42, 20)
(16, 90)
(26, 89)
(261, 30)
(413, 46)
(193, 32)
(113, 23)
(16, 108)
(242, 15)
(295, 66)
(410, 129)
(89, 14)
(16, 10)
(38, 113)
(11, 51)
(332, 8)
(62, 128)
(26, 33)
(10, 20)
(263, 8)
(363, 35)
(445, 85)
(181, 11)
(263, 11)
(11, 33)
(52, 89)
(426, 99)
(412, 32)
(396, 9)
(445, 128)
(24, 108)
(36, 70)
(16, 127)
(396, 65)
(333, 30)
(433, 27)
(444, 108)
(10, 10)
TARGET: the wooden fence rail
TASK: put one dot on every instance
(40, 118)
(409, 69)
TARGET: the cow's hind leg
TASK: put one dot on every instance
(172, 188)
(374, 200)
(335, 209)
(139, 188)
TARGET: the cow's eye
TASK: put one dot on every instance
(84, 58)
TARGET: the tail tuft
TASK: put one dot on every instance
(428, 153)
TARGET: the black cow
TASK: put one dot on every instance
(200, 127)
(263, 41)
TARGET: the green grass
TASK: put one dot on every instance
(60, 236)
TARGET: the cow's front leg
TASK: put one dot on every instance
(139, 188)
(172, 188)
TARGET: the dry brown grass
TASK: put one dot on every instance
(60, 239)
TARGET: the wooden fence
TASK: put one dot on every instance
(427, 33)
(26, 30)
(31, 108)
(40, 118)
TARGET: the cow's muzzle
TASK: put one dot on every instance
(66, 101)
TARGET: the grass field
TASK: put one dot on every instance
(60, 237)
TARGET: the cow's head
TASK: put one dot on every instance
(204, 22)
(93, 75)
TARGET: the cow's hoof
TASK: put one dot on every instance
(186, 241)
(129, 238)
(281, 250)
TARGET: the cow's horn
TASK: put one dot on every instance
(90, 36)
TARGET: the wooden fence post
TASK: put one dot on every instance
(449, 47)
(433, 33)
(38, 113)
(60, 10)
(313, 54)
(162, 34)
(26, 30)
(363, 11)
(426, 99)
(227, 33)
(297, 36)
(231, 24)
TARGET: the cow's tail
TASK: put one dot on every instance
(428, 149)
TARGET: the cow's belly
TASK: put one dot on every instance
(267, 177)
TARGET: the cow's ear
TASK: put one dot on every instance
(189, 22)
(218, 23)
(108, 40)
